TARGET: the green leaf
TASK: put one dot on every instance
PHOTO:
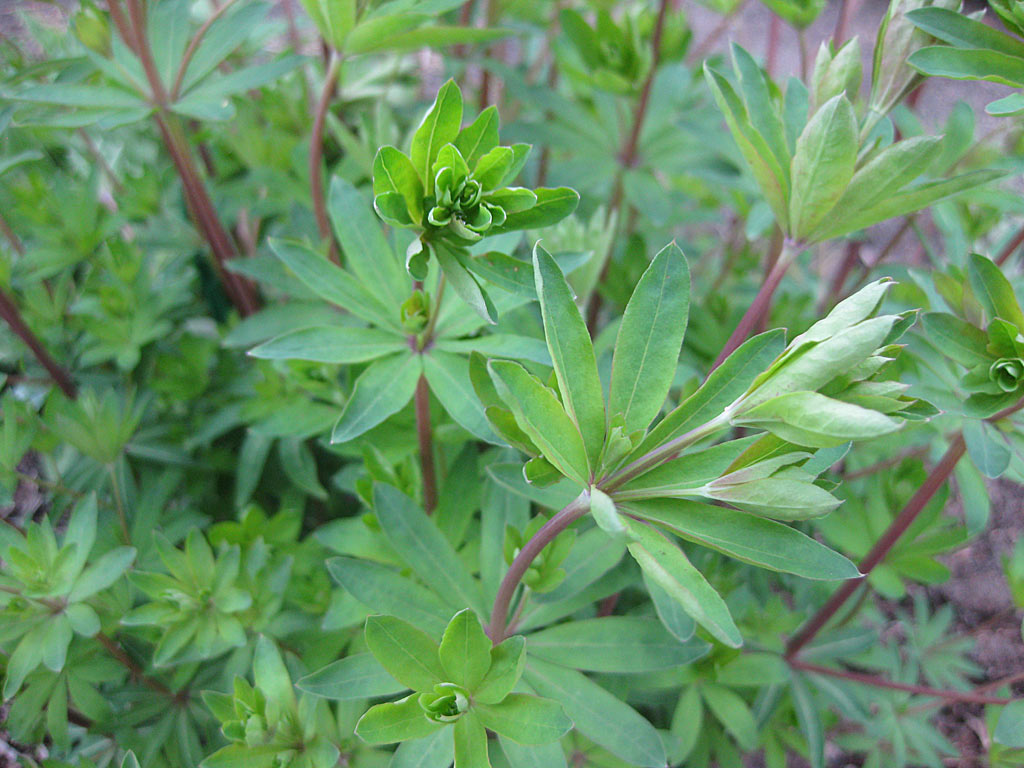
(959, 340)
(600, 716)
(516, 276)
(434, 751)
(909, 200)
(129, 760)
(552, 206)
(602, 509)
(88, 96)
(470, 742)
(817, 421)
(823, 164)
(534, 755)
(440, 126)
(986, 447)
(464, 282)
(964, 32)
(380, 588)
(888, 172)
(270, 674)
(367, 253)
(330, 344)
(725, 384)
(407, 653)
(425, 549)
(994, 291)
(381, 390)
(506, 667)
(754, 540)
(102, 573)
(332, 283)
(479, 137)
(764, 117)
(395, 721)
(465, 651)
(780, 498)
(448, 376)
(669, 568)
(622, 644)
(672, 616)
(1010, 726)
(649, 339)
(430, 37)
(393, 171)
(539, 414)
(354, 677)
(771, 177)
(969, 64)
(572, 353)
(526, 719)
(732, 712)
(810, 721)
(251, 460)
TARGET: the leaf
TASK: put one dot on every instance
(380, 588)
(425, 549)
(572, 354)
(994, 291)
(222, 37)
(534, 755)
(649, 339)
(395, 721)
(732, 712)
(526, 719)
(431, 37)
(359, 676)
(986, 448)
(330, 344)
(909, 200)
(955, 338)
(754, 540)
(817, 421)
(725, 384)
(677, 621)
(407, 653)
(217, 90)
(761, 110)
(101, 574)
(367, 253)
(479, 137)
(823, 164)
(465, 651)
(810, 722)
(448, 376)
(88, 96)
(470, 742)
(464, 282)
(621, 644)
(434, 751)
(771, 177)
(602, 509)
(440, 126)
(506, 667)
(669, 568)
(539, 414)
(331, 283)
(552, 206)
(381, 390)
(516, 276)
(963, 32)
(600, 716)
(251, 460)
(969, 64)
(1010, 726)
(780, 498)
(270, 674)
(393, 171)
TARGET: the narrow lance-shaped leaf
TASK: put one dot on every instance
(440, 126)
(649, 340)
(381, 390)
(669, 568)
(572, 353)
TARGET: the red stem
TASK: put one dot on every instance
(1010, 247)
(9, 312)
(970, 697)
(573, 511)
(425, 438)
(758, 310)
(316, 152)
